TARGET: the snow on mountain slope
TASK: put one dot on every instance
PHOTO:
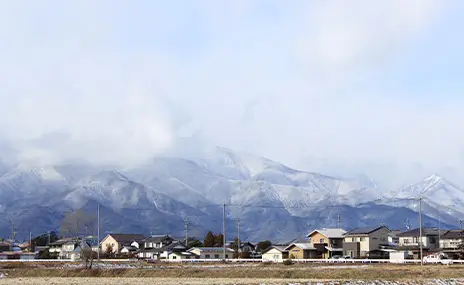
(436, 189)
(30, 183)
(272, 200)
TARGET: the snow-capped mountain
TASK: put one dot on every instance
(272, 200)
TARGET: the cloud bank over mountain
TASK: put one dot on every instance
(356, 84)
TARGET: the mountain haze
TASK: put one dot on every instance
(272, 200)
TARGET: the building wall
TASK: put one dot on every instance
(296, 253)
(319, 238)
(450, 243)
(351, 249)
(273, 255)
(211, 255)
(109, 240)
(336, 243)
(427, 241)
(299, 253)
(177, 255)
(377, 238)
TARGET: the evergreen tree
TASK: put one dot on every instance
(263, 245)
(194, 243)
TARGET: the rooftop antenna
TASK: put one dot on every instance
(407, 225)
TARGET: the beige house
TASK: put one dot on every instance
(118, 241)
(275, 254)
(365, 242)
(328, 242)
(211, 252)
(301, 251)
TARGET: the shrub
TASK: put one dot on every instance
(287, 262)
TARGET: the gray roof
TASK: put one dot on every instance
(364, 231)
(278, 247)
(453, 234)
(158, 238)
(304, 246)
(330, 233)
(62, 241)
(416, 232)
(212, 249)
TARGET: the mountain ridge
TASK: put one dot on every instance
(272, 200)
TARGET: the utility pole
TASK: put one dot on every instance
(460, 223)
(30, 241)
(439, 226)
(186, 222)
(420, 231)
(224, 229)
(338, 221)
(238, 237)
(13, 233)
(48, 237)
(98, 231)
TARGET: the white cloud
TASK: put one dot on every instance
(121, 80)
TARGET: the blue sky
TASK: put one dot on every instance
(331, 86)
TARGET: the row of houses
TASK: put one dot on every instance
(12, 250)
(371, 242)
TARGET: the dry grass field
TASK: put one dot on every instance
(26, 273)
(222, 281)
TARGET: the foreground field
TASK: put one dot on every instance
(231, 274)
(211, 281)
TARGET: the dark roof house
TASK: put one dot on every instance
(363, 231)
(416, 232)
(126, 239)
(452, 234)
(158, 238)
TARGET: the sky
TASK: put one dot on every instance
(340, 87)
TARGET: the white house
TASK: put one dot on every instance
(154, 246)
(412, 238)
(72, 249)
(452, 239)
(211, 252)
(275, 254)
(181, 255)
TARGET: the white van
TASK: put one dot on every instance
(437, 258)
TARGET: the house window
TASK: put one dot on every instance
(207, 256)
(187, 257)
(432, 240)
(227, 256)
(276, 256)
(174, 257)
(216, 256)
(321, 240)
(362, 239)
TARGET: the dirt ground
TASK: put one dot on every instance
(233, 274)
(211, 281)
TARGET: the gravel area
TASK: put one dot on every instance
(219, 281)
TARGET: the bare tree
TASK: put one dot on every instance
(75, 225)
(88, 255)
